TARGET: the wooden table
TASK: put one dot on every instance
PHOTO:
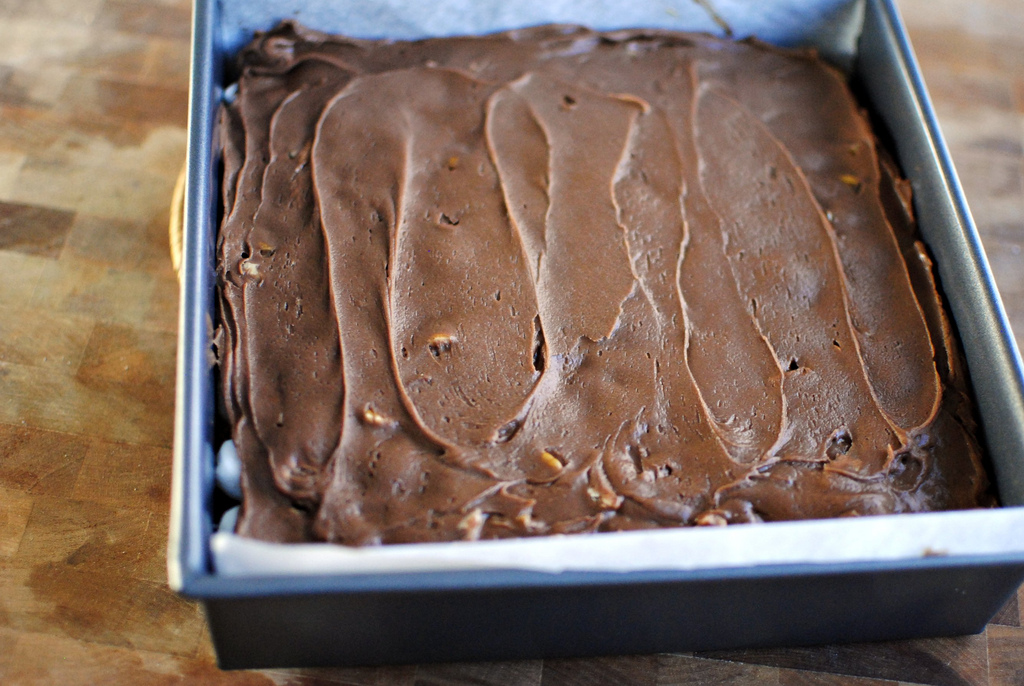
(92, 134)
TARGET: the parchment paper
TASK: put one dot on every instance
(889, 537)
(832, 26)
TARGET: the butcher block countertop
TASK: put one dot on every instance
(93, 97)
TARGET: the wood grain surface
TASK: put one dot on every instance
(93, 100)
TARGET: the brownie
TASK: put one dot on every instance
(556, 281)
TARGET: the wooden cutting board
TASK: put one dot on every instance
(93, 98)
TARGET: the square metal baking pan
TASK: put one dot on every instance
(316, 619)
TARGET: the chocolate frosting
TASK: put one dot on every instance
(559, 281)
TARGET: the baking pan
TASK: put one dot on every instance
(876, 578)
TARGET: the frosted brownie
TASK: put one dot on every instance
(558, 281)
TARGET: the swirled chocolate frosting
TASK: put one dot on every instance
(558, 281)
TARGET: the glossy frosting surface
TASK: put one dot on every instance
(555, 281)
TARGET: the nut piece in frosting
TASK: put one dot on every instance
(373, 418)
(681, 261)
(551, 460)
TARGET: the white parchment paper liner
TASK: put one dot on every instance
(888, 537)
(833, 26)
